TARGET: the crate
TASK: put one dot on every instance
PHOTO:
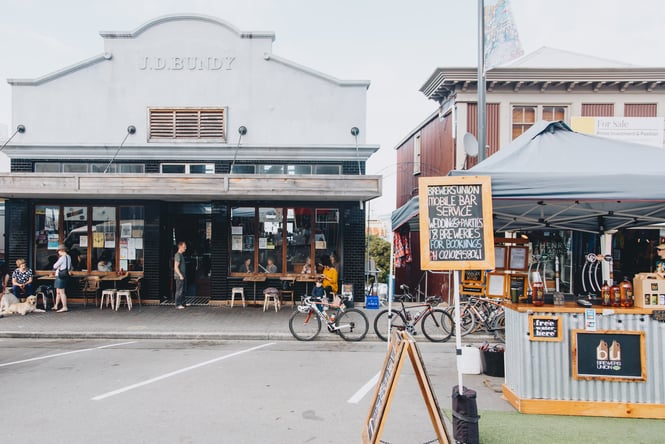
(649, 290)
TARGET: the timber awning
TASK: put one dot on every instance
(187, 187)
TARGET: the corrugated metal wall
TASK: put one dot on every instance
(542, 370)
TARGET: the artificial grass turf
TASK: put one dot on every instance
(516, 428)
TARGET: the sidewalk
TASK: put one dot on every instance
(219, 322)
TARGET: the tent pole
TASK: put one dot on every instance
(458, 332)
(391, 283)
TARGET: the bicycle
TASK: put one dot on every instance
(305, 323)
(437, 324)
(485, 313)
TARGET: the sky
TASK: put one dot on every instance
(396, 44)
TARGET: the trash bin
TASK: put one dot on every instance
(493, 362)
(465, 416)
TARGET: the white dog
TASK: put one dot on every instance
(8, 299)
(29, 306)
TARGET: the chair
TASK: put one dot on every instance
(271, 294)
(90, 286)
(239, 291)
(287, 290)
(133, 287)
(109, 297)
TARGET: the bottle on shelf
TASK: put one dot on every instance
(615, 295)
(537, 290)
(605, 296)
(626, 293)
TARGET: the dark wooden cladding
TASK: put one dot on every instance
(492, 126)
(597, 110)
(437, 156)
(640, 110)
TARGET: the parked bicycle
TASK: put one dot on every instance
(437, 324)
(485, 313)
(305, 323)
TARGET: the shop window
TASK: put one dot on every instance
(286, 236)
(103, 239)
(47, 228)
(131, 238)
(554, 113)
(75, 233)
(58, 167)
(243, 235)
(270, 240)
(271, 169)
(187, 123)
(298, 169)
(74, 168)
(47, 167)
(173, 169)
(298, 237)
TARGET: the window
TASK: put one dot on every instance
(524, 116)
(186, 168)
(597, 110)
(416, 154)
(298, 169)
(327, 169)
(271, 169)
(286, 237)
(243, 169)
(58, 167)
(188, 123)
(640, 110)
(91, 235)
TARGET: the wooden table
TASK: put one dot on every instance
(255, 278)
(307, 278)
(114, 278)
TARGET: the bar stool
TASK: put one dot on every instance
(271, 294)
(128, 297)
(239, 291)
(108, 296)
(287, 290)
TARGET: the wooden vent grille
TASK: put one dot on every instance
(187, 124)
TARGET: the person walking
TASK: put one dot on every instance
(61, 270)
(180, 276)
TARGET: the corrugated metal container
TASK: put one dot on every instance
(543, 370)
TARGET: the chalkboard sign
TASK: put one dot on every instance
(612, 355)
(456, 223)
(473, 276)
(401, 345)
(545, 328)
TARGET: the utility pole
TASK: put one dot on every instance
(482, 135)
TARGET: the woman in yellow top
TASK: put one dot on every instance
(329, 275)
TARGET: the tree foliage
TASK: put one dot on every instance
(379, 249)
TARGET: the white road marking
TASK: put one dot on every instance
(177, 372)
(360, 394)
(65, 353)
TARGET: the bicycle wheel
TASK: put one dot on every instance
(499, 327)
(352, 325)
(304, 326)
(468, 320)
(381, 324)
(437, 325)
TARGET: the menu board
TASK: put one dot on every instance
(456, 231)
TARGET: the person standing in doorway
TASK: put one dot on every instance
(179, 274)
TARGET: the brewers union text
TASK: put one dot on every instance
(186, 63)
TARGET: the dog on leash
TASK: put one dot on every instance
(29, 306)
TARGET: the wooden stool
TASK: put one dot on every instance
(108, 296)
(128, 296)
(240, 291)
(271, 294)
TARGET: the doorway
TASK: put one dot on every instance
(196, 231)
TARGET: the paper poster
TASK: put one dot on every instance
(123, 253)
(123, 264)
(83, 241)
(236, 243)
(131, 254)
(109, 239)
(236, 230)
(126, 230)
(263, 243)
(97, 239)
(53, 241)
(590, 319)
